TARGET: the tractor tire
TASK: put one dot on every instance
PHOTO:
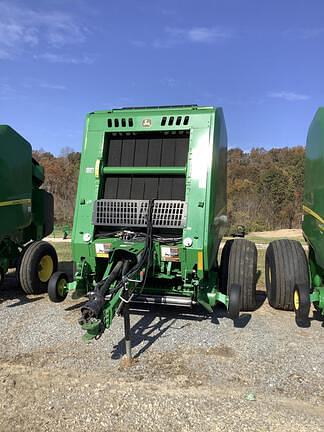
(223, 269)
(18, 261)
(242, 271)
(302, 303)
(234, 304)
(56, 285)
(37, 265)
(285, 267)
(2, 276)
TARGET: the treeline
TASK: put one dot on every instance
(61, 179)
(264, 186)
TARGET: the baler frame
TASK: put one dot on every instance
(163, 159)
(27, 215)
(294, 280)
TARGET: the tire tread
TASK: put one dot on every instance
(242, 270)
(28, 265)
(288, 264)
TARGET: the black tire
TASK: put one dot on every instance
(234, 301)
(18, 261)
(302, 303)
(223, 269)
(242, 270)
(33, 275)
(285, 267)
(55, 288)
(2, 276)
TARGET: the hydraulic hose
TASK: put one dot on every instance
(111, 278)
(96, 302)
(123, 270)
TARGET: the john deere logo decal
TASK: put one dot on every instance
(146, 123)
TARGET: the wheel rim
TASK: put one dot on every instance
(45, 268)
(296, 300)
(61, 287)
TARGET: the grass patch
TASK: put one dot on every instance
(260, 268)
(63, 250)
(266, 240)
(60, 229)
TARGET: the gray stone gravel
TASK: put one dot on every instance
(192, 371)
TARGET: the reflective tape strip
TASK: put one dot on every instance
(200, 264)
(15, 202)
(97, 168)
(314, 214)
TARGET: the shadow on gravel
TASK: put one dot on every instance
(148, 331)
(157, 320)
(10, 290)
(306, 323)
(244, 318)
(318, 317)
(77, 305)
(260, 298)
(240, 322)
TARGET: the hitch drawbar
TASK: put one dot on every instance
(113, 294)
(110, 297)
(93, 307)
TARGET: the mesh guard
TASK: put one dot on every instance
(133, 213)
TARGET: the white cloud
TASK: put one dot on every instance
(169, 82)
(200, 34)
(288, 96)
(305, 33)
(60, 58)
(138, 43)
(50, 86)
(33, 83)
(22, 28)
(4, 54)
(6, 91)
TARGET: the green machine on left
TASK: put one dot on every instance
(27, 215)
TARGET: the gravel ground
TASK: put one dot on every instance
(192, 371)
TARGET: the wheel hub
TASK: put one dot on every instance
(45, 268)
(296, 300)
(61, 287)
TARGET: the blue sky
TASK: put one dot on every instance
(261, 60)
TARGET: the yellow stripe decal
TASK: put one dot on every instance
(15, 202)
(200, 264)
(102, 255)
(312, 213)
(97, 168)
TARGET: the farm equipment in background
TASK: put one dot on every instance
(66, 232)
(293, 281)
(26, 215)
(239, 232)
(313, 223)
(150, 215)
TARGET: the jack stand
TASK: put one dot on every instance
(128, 342)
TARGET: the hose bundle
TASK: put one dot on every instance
(122, 270)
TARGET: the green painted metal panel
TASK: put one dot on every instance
(313, 224)
(204, 176)
(15, 181)
(26, 211)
